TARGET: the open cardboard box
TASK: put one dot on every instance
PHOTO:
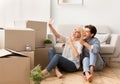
(14, 68)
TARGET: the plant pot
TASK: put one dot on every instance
(48, 45)
(36, 82)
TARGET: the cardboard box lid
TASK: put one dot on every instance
(9, 52)
(23, 29)
(37, 25)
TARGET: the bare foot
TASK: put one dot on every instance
(85, 78)
(89, 77)
(91, 69)
(45, 73)
(59, 74)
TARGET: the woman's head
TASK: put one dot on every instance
(77, 32)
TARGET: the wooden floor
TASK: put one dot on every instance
(109, 75)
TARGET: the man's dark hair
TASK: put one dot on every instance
(92, 28)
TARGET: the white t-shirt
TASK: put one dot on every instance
(68, 52)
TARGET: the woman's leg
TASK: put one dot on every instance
(66, 65)
(58, 73)
(51, 53)
(62, 63)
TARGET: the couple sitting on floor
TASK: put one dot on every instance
(81, 42)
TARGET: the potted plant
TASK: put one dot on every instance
(48, 43)
(35, 75)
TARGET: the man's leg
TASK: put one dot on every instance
(92, 61)
(85, 63)
(93, 58)
(86, 70)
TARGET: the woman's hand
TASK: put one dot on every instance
(63, 45)
(70, 41)
(50, 22)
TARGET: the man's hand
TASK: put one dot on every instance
(82, 41)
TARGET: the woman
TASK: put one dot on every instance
(69, 61)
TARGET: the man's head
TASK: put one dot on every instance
(89, 32)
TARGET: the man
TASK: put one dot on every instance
(91, 53)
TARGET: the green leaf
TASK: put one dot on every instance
(36, 74)
(47, 41)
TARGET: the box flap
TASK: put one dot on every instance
(4, 52)
(9, 52)
(25, 29)
(15, 52)
(1, 28)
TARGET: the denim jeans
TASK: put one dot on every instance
(61, 62)
(87, 61)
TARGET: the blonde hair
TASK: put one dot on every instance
(81, 31)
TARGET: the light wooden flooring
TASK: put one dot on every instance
(109, 75)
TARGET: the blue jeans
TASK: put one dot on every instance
(61, 62)
(88, 61)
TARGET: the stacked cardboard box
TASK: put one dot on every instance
(17, 39)
(30, 54)
(15, 69)
(41, 53)
(40, 31)
(41, 57)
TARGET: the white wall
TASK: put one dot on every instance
(36, 10)
(18, 10)
(104, 12)
(96, 12)
(9, 11)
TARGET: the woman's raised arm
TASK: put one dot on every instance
(53, 29)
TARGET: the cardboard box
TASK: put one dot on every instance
(41, 57)
(16, 39)
(15, 69)
(30, 54)
(40, 31)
